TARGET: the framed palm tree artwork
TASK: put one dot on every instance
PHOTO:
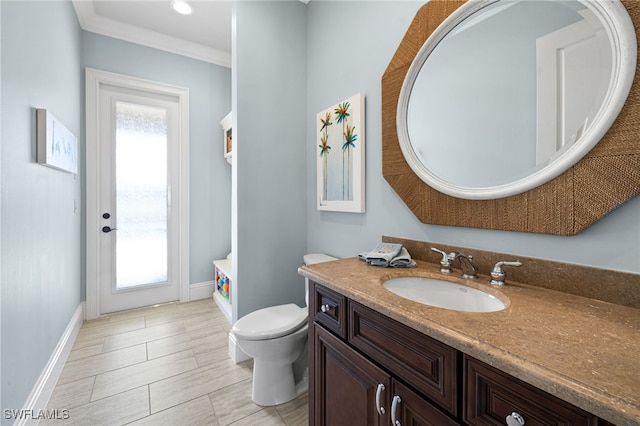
(340, 157)
(57, 146)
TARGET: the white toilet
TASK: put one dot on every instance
(276, 338)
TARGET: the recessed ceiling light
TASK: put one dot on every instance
(181, 6)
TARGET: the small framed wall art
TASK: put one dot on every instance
(57, 147)
(340, 147)
(227, 132)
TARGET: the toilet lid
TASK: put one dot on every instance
(272, 322)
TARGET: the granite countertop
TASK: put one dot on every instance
(583, 351)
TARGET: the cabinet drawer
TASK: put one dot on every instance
(422, 362)
(329, 309)
(491, 396)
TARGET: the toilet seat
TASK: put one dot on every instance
(270, 323)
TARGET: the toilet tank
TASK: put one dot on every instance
(310, 259)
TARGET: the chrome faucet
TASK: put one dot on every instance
(469, 269)
(445, 262)
(497, 273)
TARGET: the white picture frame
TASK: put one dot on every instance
(57, 147)
(227, 135)
(340, 156)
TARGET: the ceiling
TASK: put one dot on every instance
(203, 35)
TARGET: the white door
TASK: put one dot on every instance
(574, 73)
(136, 215)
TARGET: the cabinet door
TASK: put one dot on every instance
(346, 385)
(409, 408)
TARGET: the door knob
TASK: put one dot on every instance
(107, 229)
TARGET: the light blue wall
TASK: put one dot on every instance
(269, 171)
(209, 101)
(349, 47)
(41, 231)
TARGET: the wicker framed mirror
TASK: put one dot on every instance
(606, 177)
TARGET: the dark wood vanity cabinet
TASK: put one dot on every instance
(364, 363)
(350, 390)
(368, 369)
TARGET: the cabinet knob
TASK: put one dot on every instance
(394, 409)
(325, 308)
(379, 406)
(515, 419)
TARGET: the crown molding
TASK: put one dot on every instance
(92, 22)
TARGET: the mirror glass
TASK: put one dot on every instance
(508, 94)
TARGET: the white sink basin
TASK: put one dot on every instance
(444, 294)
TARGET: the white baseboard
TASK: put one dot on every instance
(235, 352)
(201, 290)
(42, 390)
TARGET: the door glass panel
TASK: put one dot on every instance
(141, 195)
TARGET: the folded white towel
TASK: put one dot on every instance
(388, 254)
(403, 260)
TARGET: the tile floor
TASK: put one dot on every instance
(163, 365)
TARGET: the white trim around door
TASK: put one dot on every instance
(97, 80)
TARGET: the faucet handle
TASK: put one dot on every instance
(445, 262)
(497, 273)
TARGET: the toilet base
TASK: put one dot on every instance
(276, 387)
(279, 366)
